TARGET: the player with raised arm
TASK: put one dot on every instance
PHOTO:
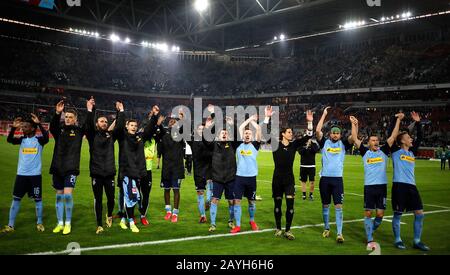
(65, 165)
(29, 169)
(331, 182)
(283, 181)
(375, 179)
(405, 196)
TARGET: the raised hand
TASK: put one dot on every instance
(60, 107)
(353, 120)
(309, 116)
(119, 106)
(209, 122)
(415, 116)
(155, 110)
(90, 104)
(160, 120)
(210, 108)
(254, 117)
(268, 111)
(400, 116)
(17, 122)
(35, 118)
(325, 111)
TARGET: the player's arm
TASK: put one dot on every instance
(55, 126)
(209, 124)
(44, 138)
(244, 124)
(354, 135)
(258, 133)
(319, 133)
(89, 124)
(390, 141)
(119, 129)
(11, 139)
(419, 133)
(300, 142)
(268, 112)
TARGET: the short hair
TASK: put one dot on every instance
(400, 135)
(283, 130)
(132, 120)
(101, 117)
(72, 111)
(31, 122)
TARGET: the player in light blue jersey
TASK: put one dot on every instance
(29, 174)
(375, 179)
(247, 170)
(331, 183)
(405, 196)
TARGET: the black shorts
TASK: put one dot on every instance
(147, 180)
(245, 186)
(200, 183)
(61, 182)
(375, 196)
(31, 185)
(307, 172)
(218, 189)
(331, 187)
(283, 184)
(158, 150)
(405, 197)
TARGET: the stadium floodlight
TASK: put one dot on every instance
(383, 18)
(97, 34)
(164, 47)
(282, 37)
(201, 5)
(84, 31)
(127, 40)
(114, 38)
(408, 14)
(275, 38)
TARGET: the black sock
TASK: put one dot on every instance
(289, 213)
(277, 212)
(304, 194)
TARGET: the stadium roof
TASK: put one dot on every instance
(224, 25)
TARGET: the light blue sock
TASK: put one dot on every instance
(168, 208)
(368, 225)
(339, 220)
(237, 214)
(251, 211)
(418, 225)
(326, 217)
(396, 226)
(69, 207)
(176, 211)
(213, 213)
(39, 208)
(231, 212)
(209, 188)
(201, 204)
(13, 211)
(60, 208)
(377, 222)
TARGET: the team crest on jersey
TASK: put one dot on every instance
(334, 150)
(246, 152)
(29, 151)
(226, 145)
(374, 160)
(407, 158)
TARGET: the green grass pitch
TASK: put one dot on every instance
(433, 184)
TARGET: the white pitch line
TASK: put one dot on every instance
(193, 238)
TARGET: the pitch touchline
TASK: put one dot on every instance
(117, 246)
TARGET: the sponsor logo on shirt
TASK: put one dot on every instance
(246, 152)
(72, 133)
(374, 160)
(334, 150)
(29, 151)
(407, 158)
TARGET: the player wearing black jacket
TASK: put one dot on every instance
(308, 166)
(65, 165)
(102, 164)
